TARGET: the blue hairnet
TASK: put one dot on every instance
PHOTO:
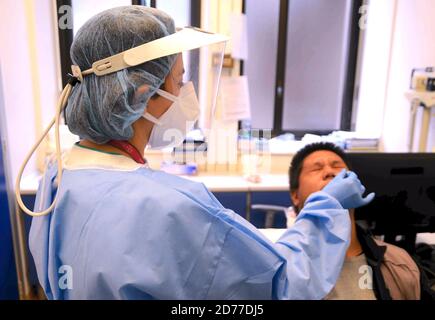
(103, 108)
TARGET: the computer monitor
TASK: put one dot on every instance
(404, 184)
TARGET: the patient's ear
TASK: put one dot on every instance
(295, 198)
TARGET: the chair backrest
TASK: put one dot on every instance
(271, 211)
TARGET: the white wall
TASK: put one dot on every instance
(29, 72)
(400, 36)
(375, 67)
(83, 10)
(17, 86)
(413, 46)
(179, 10)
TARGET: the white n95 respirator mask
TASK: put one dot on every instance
(171, 128)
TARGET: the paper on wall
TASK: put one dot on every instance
(234, 96)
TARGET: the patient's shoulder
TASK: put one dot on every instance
(397, 255)
(400, 272)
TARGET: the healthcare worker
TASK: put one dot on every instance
(107, 226)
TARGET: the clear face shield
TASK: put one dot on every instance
(204, 67)
(201, 55)
(194, 80)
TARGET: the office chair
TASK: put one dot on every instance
(271, 211)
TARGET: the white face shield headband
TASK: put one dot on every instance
(211, 51)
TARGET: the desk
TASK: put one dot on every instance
(272, 234)
(29, 184)
(234, 183)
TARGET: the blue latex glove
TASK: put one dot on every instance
(348, 190)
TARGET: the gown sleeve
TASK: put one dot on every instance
(304, 263)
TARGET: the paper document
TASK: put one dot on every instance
(234, 94)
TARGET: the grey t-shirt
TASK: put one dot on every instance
(355, 281)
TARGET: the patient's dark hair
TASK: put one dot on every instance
(298, 159)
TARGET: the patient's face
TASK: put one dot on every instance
(318, 169)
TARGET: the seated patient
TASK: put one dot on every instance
(372, 269)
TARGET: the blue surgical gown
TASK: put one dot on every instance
(121, 230)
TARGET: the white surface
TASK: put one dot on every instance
(29, 183)
(239, 184)
(273, 234)
(221, 183)
(281, 146)
(271, 182)
(428, 238)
